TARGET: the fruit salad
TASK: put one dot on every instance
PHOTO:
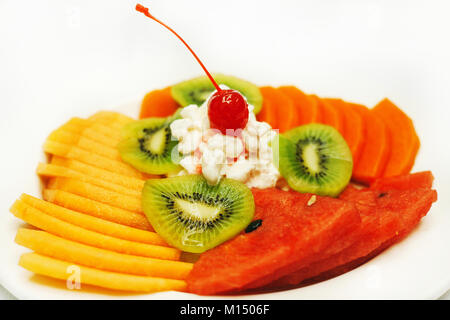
(223, 187)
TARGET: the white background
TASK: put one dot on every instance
(60, 59)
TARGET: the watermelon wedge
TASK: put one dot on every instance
(422, 179)
(296, 230)
(397, 212)
(303, 240)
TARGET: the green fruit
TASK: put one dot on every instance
(194, 216)
(148, 145)
(197, 90)
(314, 158)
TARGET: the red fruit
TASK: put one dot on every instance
(386, 217)
(310, 242)
(416, 180)
(292, 233)
(227, 111)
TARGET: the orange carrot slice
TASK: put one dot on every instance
(403, 138)
(307, 108)
(330, 115)
(376, 148)
(416, 148)
(286, 111)
(352, 127)
(158, 103)
(268, 112)
(290, 114)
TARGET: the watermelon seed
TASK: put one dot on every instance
(253, 226)
(312, 200)
(381, 195)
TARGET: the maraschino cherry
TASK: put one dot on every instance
(227, 109)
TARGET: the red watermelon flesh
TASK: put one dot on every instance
(410, 224)
(292, 232)
(364, 203)
(406, 182)
(345, 267)
(397, 211)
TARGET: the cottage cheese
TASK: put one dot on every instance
(246, 156)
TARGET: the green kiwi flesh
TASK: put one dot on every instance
(197, 90)
(148, 146)
(194, 216)
(314, 158)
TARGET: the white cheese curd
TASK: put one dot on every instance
(246, 157)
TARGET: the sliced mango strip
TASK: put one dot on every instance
(72, 152)
(75, 233)
(97, 173)
(111, 280)
(52, 170)
(96, 134)
(99, 194)
(112, 133)
(113, 120)
(93, 223)
(81, 126)
(111, 117)
(70, 138)
(77, 125)
(97, 209)
(49, 245)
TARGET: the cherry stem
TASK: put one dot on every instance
(144, 10)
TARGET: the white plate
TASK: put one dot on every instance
(61, 59)
(418, 267)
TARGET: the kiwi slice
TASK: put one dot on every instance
(314, 158)
(197, 90)
(194, 216)
(148, 145)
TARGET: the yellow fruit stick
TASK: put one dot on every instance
(96, 135)
(114, 134)
(78, 140)
(99, 194)
(52, 170)
(111, 134)
(72, 152)
(52, 246)
(75, 233)
(93, 223)
(111, 280)
(97, 209)
(77, 125)
(128, 182)
(111, 116)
